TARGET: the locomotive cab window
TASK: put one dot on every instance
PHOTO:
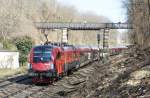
(42, 54)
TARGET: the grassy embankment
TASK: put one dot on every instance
(4, 73)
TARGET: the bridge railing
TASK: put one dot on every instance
(82, 26)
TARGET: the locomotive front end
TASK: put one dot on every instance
(41, 66)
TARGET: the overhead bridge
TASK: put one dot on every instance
(82, 26)
(66, 26)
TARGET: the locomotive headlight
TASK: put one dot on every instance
(29, 66)
(52, 66)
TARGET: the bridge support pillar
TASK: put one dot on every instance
(105, 43)
(106, 39)
(64, 35)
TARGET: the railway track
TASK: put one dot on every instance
(26, 91)
(10, 81)
(8, 88)
(12, 78)
(23, 88)
(19, 88)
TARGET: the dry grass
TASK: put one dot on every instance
(9, 72)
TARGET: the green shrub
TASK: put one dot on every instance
(24, 45)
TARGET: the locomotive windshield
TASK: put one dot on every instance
(42, 54)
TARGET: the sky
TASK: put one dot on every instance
(112, 9)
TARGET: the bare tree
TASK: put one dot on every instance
(139, 15)
(17, 18)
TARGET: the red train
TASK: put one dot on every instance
(50, 62)
(117, 49)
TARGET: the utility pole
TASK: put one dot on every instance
(148, 16)
(149, 7)
(98, 43)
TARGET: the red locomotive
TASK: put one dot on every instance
(50, 62)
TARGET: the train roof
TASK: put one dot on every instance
(45, 46)
(69, 47)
